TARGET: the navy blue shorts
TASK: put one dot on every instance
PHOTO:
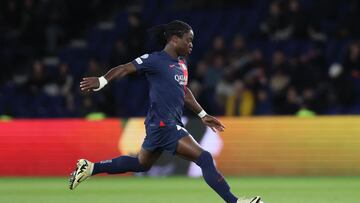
(163, 138)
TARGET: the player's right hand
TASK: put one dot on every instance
(88, 84)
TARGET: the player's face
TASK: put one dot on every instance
(184, 45)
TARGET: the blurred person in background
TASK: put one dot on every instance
(54, 15)
(136, 35)
(277, 25)
(38, 78)
(88, 107)
(119, 53)
(291, 104)
(340, 81)
(240, 102)
(352, 59)
(207, 95)
(218, 49)
(240, 58)
(278, 83)
(95, 68)
(65, 82)
(215, 71)
(263, 103)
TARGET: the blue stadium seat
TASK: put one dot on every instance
(100, 43)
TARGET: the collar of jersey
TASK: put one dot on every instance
(164, 53)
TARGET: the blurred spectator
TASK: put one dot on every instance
(200, 72)
(62, 88)
(340, 82)
(279, 81)
(241, 102)
(258, 67)
(215, 71)
(54, 12)
(95, 68)
(218, 49)
(225, 88)
(136, 35)
(119, 54)
(298, 20)
(64, 80)
(88, 106)
(307, 71)
(239, 57)
(277, 25)
(279, 63)
(263, 103)
(38, 78)
(310, 100)
(238, 48)
(62, 84)
(352, 60)
(291, 103)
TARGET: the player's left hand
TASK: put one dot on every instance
(89, 83)
(213, 123)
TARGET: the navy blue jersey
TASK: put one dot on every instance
(168, 78)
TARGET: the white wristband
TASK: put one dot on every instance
(202, 114)
(102, 83)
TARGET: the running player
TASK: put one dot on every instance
(167, 74)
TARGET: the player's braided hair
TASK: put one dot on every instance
(163, 32)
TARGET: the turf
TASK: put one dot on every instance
(179, 190)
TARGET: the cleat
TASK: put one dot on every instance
(82, 172)
(256, 199)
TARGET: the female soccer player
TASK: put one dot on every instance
(167, 74)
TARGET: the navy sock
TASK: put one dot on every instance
(120, 164)
(213, 178)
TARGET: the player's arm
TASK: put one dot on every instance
(97, 83)
(193, 105)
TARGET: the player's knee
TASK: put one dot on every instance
(205, 159)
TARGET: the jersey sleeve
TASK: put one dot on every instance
(145, 63)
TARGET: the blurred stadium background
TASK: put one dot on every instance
(283, 75)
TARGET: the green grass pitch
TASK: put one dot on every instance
(179, 190)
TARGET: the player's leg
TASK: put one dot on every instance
(189, 149)
(121, 164)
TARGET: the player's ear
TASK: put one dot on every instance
(174, 39)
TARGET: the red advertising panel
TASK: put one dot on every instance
(52, 147)
(249, 146)
(291, 146)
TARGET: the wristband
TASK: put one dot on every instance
(202, 114)
(102, 83)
